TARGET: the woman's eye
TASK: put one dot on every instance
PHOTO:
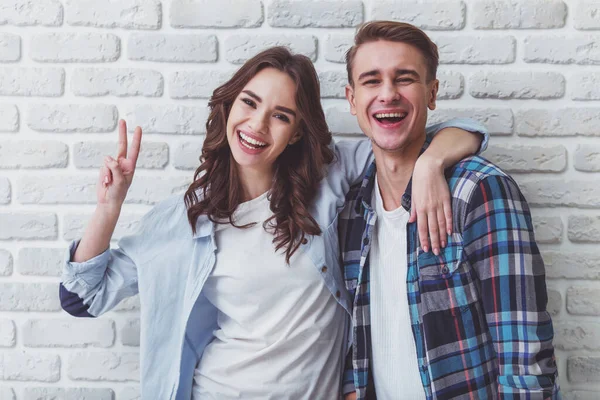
(282, 117)
(249, 102)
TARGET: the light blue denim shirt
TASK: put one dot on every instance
(168, 265)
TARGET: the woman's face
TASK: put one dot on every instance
(263, 120)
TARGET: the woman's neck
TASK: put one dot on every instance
(255, 182)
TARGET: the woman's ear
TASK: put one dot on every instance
(297, 136)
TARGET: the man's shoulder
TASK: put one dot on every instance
(468, 173)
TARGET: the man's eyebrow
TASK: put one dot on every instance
(373, 72)
(405, 71)
(280, 108)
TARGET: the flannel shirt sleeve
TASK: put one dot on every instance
(348, 378)
(500, 245)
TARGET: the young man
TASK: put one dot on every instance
(468, 319)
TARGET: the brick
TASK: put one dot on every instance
(517, 85)
(187, 155)
(151, 190)
(130, 332)
(40, 261)
(25, 366)
(524, 14)
(586, 16)
(239, 48)
(315, 14)
(333, 84)
(68, 333)
(9, 116)
(103, 366)
(16, 296)
(558, 122)
(10, 47)
(587, 158)
(216, 14)
(75, 47)
(6, 263)
(584, 229)
(499, 121)
(583, 301)
(127, 14)
(571, 265)
(336, 46)
(172, 47)
(33, 154)
(130, 393)
(8, 333)
(579, 395)
(168, 119)
(515, 158)
(7, 394)
(58, 190)
(5, 190)
(153, 155)
(74, 225)
(116, 82)
(340, 121)
(55, 393)
(548, 229)
(583, 369)
(552, 49)
(427, 14)
(585, 86)
(451, 85)
(554, 302)
(196, 84)
(559, 192)
(576, 335)
(31, 12)
(28, 226)
(72, 117)
(43, 82)
(476, 49)
(129, 304)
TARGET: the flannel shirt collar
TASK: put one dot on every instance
(365, 193)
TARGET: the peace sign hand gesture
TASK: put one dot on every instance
(117, 174)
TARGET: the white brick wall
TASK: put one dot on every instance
(69, 69)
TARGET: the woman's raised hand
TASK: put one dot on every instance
(117, 174)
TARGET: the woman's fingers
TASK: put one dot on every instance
(423, 228)
(134, 151)
(122, 147)
(115, 170)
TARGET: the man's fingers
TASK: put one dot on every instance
(122, 147)
(134, 151)
(423, 229)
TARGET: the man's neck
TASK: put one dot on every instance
(394, 170)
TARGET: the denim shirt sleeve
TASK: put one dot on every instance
(355, 156)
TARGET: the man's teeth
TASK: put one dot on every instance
(391, 115)
(251, 140)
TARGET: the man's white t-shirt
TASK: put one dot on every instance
(395, 364)
(280, 332)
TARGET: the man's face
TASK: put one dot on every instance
(391, 95)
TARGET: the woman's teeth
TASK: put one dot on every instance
(250, 142)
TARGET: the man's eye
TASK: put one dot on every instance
(371, 82)
(249, 102)
(404, 80)
(282, 117)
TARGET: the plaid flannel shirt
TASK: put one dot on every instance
(478, 310)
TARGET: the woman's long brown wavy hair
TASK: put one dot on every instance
(217, 191)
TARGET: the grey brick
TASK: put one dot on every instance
(576, 335)
(583, 369)
(10, 47)
(9, 117)
(5, 190)
(197, 84)
(586, 16)
(584, 229)
(130, 332)
(239, 48)
(216, 14)
(75, 47)
(167, 119)
(516, 158)
(28, 226)
(33, 154)
(572, 265)
(475, 49)
(54, 393)
(553, 49)
(558, 122)
(153, 155)
(40, 261)
(314, 13)
(587, 158)
(427, 14)
(176, 48)
(127, 14)
(16, 296)
(517, 85)
(72, 117)
(560, 192)
(44, 82)
(548, 229)
(525, 14)
(499, 121)
(336, 46)
(554, 302)
(6, 263)
(31, 12)
(585, 86)
(583, 301)
(116, 82)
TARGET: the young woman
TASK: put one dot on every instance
(240, 286)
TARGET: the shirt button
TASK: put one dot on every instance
(366, 241)
(324, 268)
(304, 241)
(338, 294)
(445, 270)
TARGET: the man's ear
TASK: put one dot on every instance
(350, 97)
(433, 91)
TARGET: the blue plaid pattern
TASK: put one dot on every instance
(478, 310)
